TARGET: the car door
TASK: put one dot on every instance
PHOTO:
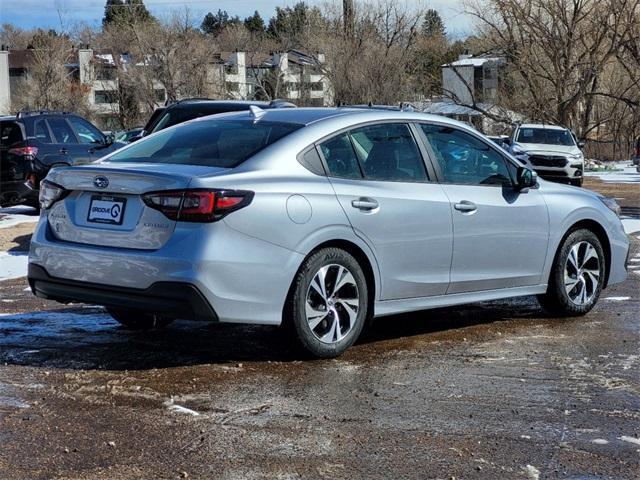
(90, 138)
(500, 233)
(380, 179)
(65, 143)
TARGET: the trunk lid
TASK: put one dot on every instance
(105, 206)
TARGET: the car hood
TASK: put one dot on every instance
(543, 148)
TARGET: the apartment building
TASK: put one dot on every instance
(293, 75)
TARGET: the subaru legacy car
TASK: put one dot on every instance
(317, 219)
(551, 151)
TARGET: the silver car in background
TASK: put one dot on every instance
(317, 219)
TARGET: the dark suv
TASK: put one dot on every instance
(191, 108)
(33, 142)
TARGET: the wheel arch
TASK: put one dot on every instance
(363, 259)
(600, 232)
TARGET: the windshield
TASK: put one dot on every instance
(212, 143)
(547, 136)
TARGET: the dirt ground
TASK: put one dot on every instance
(493, 390)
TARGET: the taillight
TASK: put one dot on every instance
(24, 151)
(197, 205)
(50, 193)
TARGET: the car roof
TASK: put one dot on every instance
(311, 115)
(199, 102)
(542, 125)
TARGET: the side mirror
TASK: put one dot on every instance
(581, 143)
(527, 178)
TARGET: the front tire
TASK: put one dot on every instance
(577, 275)
(328, 302)
(136, 320)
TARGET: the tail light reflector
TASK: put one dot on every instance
(197, 205)
(24, 151)
(50, 193)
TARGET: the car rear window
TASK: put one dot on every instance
(214, 143)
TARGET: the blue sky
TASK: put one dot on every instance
(47, 13)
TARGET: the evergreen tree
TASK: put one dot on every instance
(213, 24)
(125, 11)
(432, 25)
(254, 23)
(289, 22)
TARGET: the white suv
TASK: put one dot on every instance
(550, 150)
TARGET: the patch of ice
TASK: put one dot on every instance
(600, 441)
(618, 299)
(180, 409)
(635, 441)
(13, 265)
(625, 174)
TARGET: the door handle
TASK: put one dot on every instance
(465, 206)
(364, 204)
(63, 151)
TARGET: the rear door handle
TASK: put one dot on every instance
(465, 206)
(364, 204)
(63, 151)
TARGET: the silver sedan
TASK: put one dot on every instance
(317, 219)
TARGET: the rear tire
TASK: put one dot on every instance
(136, 320)
(326, 320)
(577, 276)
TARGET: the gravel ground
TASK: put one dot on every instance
(492, 390)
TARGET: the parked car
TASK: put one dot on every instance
(126, 136)
(191, 108)
(551, 151)
(318, 219)
(33, 142)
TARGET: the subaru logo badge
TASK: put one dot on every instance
(101, 182)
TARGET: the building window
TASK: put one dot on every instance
(316, 86)
(105, 96)
(160, 94)
(105, 73)
(231, 69)
(232, 86)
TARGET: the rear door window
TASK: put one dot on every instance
(62, 131)
(340, 157)
(388, 152)
(215, 143)
(41, 132)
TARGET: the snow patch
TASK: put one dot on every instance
(600, 441)
(532, 472)
(15, 215)
(635, 441)
(625, 174)
(13, 265)
(631, 225)
(618, 299)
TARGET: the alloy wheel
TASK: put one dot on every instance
(582, 273)
(332, 303)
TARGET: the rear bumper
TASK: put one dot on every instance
(174, 299)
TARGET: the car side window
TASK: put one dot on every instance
(388, 152)
(86, 132)
(41, 132)
(10, 133)
(61, 130)
(464, 159)
(340, 157)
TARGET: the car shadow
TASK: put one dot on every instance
(22, 244)
(87, 338)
